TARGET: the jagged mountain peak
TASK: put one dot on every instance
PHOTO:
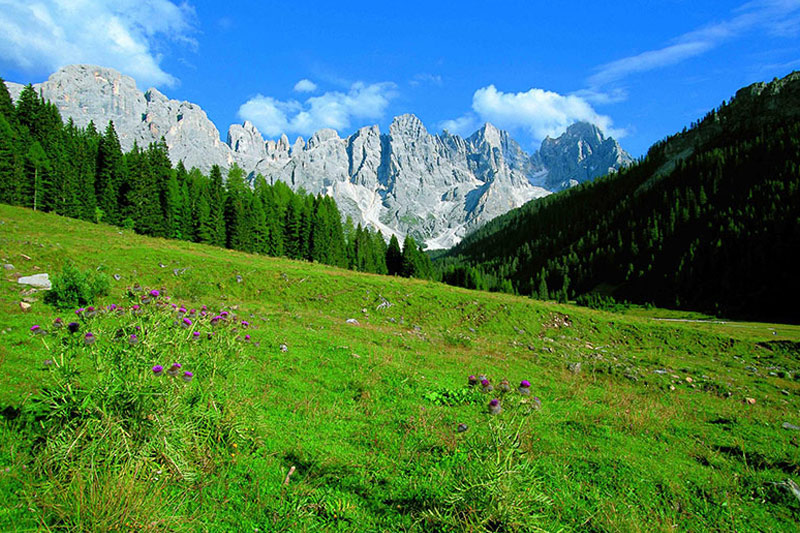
(408, 125)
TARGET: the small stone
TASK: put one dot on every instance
(117, 277)
(25, 306)
(750, 401)
(239, 278)
(162, 265)
(689, 380)
(462, 428)
(352, 321)
(25, 257)
(8, 266)
(785, 392)
(575, 368)
(41, 281)
(672, 387)
(787, 425)
(284, 348)
(659, 371)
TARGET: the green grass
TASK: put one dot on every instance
(367, 413)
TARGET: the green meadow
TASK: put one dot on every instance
(329, 400)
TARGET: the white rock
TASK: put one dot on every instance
(40, 281)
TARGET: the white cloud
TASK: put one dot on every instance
(305, 86)
(330, 110)
(462, 125)
(779, 18)
(538, 112)
(124, 34)
(426, 79)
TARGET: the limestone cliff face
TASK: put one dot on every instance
(407, 180)
(89, 93)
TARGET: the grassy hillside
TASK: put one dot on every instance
(652, 433)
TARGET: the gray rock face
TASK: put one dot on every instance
(406, 181)
(87, 93)
(581, 154)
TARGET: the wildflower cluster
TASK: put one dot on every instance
(128, 337)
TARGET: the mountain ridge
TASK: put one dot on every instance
(436, 187)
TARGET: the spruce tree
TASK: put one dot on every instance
(394, 257)
(109, 175)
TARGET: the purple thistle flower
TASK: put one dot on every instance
(494, 407)
(154, 293)
(203, 313)
(90, 311)
(158, 370)
(186, 323)
(247, 337)
(133, 339)
(224, 314)
(174, 306)
(203, 308)
(112, 307)
(181, 309)
(245, 323)
(525, 387)
(89, 338)
(73, 327)
(35, 328)
(505, 386)
(487, 387)
(57, 323)
(187, 376)
(174, 369)
(215, 320)
(472, 381)
(192, 311)
(196, 335)
(79, 311)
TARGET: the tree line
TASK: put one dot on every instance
(49, 165)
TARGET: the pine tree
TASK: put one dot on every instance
(394, 257)
(216, 202)
(109, 175)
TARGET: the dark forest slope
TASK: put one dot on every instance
(708, 220)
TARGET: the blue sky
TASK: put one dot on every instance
(640, 70)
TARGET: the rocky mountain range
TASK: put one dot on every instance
(436, 187)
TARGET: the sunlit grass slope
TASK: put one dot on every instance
(652, 433)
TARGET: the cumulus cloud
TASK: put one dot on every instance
(330, 110)
(461, 125)
(305, 86)
(779, 18)
(538, 112)
(128, 35)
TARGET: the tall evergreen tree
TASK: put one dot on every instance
(394, 257)
(109, 175)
